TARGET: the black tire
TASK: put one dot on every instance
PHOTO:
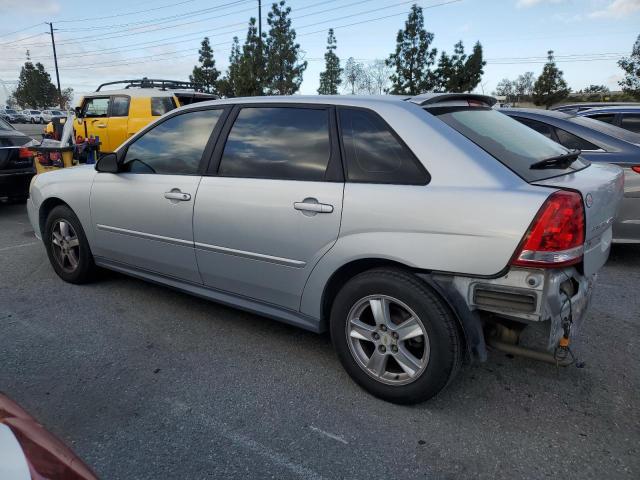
(85, 270)
(446, 346)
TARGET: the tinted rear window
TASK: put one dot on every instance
(513, 144)
(607, 129)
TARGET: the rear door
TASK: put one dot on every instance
(118, 119)
(264, 218)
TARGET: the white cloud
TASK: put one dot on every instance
(617, 9)
(31, 6)
(533, 3)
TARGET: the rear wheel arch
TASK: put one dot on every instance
(350, 270)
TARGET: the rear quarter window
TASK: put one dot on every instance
(161, 105)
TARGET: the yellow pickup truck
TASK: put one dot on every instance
(115, 115)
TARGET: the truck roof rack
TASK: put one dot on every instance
(154, 83)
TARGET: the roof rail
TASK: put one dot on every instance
(154, 83)
(430, 99)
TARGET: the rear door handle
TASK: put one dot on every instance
(312, 205)
(177, 196)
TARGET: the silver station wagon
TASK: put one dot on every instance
(406, 226)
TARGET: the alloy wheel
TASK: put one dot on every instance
(65, 245)
(387, 339)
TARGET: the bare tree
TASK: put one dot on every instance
(354, 76)
(379, 72)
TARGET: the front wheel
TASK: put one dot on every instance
(395, 336)
(67, 246)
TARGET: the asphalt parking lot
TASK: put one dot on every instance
(144, 382)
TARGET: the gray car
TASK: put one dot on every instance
(406, 226)
(599, 142)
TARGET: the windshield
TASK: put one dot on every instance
(56, 112)
(511, 143)
(607, 129)
(10, 110)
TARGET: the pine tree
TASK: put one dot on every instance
(206, 75)
(460, 73)
(550, 88)
(631, 66)
(35, 89)
(283, 67)
(413, 58)
(330, 79)
(228, 85)
(250, 74)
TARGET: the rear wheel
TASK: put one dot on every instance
(67, 246)
(395, 336)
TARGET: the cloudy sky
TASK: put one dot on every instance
(118, 39)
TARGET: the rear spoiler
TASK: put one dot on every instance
(435, 99)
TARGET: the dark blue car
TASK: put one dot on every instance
(627, 117)
(599, 142)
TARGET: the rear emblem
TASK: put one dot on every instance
(588, 200)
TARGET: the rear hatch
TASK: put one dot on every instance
(520, 148)
(13, 156)
(601, 187)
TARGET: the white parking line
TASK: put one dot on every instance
(4, 249)
(332, 436)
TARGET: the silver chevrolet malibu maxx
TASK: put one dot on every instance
(409, 227)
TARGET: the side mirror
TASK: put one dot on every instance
(108, 163)
(78, 111)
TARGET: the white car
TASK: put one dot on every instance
(34, 116)
(48, 115)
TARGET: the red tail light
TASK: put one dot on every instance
(25, 153)
(556, 236)
(636, 168)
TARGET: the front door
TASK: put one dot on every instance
(274, 207)
(142, 217)
(95, 120)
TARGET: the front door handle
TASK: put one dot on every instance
(177, 195)
(100, 125)
(312, 205)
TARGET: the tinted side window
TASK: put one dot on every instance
(607, 118)
(572, 142)
(94, 107)
(278, 143)
(372, 152)
(119, 107)
(539, 127)
(174, 147)
(631, 122)
(161, 105)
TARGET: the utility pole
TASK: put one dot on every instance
(260, 21)
(55, 61)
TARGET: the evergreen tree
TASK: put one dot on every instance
(35, 89)
(413, 58)
(283, 67)
(550, 88)
(206, 75)
(228, 86)
(631, 66)
(330, 79)
(251, 75)
(460, 73)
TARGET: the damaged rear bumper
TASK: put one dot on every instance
(525, 295)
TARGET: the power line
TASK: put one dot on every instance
(124, 14)
(21, 30)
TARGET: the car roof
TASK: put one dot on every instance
(618, 109)
(131, 92)
(538, 112)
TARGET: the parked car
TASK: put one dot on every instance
(405, 226)
(22, 117)
(16, 164)
(48, 115)
(29, 451)
(33, 115)
(624, 117)
(598, 142)
(116, 115)
(579, 107)
(10, 115)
